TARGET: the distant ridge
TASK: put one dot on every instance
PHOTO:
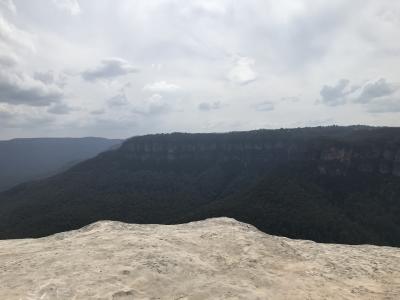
(25, 159)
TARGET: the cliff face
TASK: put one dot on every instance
(212, 259)
(332, 155)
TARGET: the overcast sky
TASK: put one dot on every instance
(122, 68)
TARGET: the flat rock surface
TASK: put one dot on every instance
(212, 259)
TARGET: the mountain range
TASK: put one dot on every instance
(29, 159)
(327, 184)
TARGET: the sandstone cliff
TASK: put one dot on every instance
(212, 259)
(336, 153)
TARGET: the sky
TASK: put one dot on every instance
(124, 68)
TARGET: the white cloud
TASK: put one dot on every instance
(205, 6)
(265, 106)
(290, 99)
(161, 87)
(242, 71)
(13, 39)
(70, 6)
(152, 106)
(9, 5)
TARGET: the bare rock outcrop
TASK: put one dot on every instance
(212, 259)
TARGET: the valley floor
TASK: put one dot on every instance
(212, 259)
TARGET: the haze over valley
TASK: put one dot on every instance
(24, 160)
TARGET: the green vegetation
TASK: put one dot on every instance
(329, 184)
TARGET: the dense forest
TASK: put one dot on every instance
(328, 184)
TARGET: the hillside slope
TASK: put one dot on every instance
(211, 259)
(332, 184)
(30, 159)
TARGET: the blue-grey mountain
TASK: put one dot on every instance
(29, 159)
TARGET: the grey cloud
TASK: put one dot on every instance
(36, 121)
(5, 115)
(45, 77)
(7, 61)
(61, 109)
(385, 106)
(23, 120)
(108, 69)
(97, 112)
(19, 88)
(376, 96)
(118, 100)
(207, 106)
(335, 95)
(50, 77)
(377, 89)
(264, 106)
(380, 96)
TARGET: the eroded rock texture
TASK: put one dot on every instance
(212, 259)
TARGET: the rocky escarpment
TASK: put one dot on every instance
(334, 151)
(331, 184)
(212, 259)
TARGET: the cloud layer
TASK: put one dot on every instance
(122, 68)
